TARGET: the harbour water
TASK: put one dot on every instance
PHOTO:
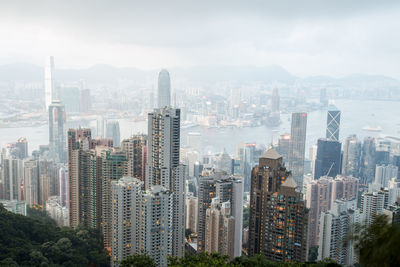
(355, 115)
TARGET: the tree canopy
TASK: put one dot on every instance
(26, 241)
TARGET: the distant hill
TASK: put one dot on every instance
(192, 75)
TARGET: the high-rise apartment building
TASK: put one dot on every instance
(318, 199)
(164, 89)
(56, 131)
(12, 176)
(298, 146)
(136, 149)
(266, 178)
(284, 146)
(333, 123)
(49, 82)
(226, 210)
(336, 226)
(126, 213)
(351, 157)
(220, 229)
(327, 162)
(206, 193)
(285, 228)
(191, 212)
(163, 167)
(383, 174)
(344, 187)
(372, 204)
(31, 182)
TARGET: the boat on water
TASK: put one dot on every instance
(372, 128)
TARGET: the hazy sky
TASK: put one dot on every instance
(334, 37)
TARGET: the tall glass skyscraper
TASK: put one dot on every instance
(57, 138)
(328, 158)
(333, 123)
(164, 89)
(49, 82)
(297, 147)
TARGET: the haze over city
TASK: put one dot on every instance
(199, 133)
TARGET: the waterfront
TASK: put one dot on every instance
(355, 115)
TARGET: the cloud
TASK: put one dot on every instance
(307, 37)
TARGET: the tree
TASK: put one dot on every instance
(138, 260)
(200, 260)
(379, 243)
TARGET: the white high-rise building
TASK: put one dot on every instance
(335, 227)
(164, 89)
(126, 215)
(383, 174)
(394, 191)
(163, 167)
(372, 204)
(49, 82)
(191, 212)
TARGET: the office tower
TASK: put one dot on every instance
(283, 146)
(56, 211)
(327, 162)
(368, 160)
(336, 225)
(22, 146)
(266, 178)
(163, 167)
(63, 189)
(285, 225)
(275, 99)
(372, 204)
(191, 212)
(85, 101)
(113, 168)
(333, 123)
(206, 193)
(312, 155)
(220, 229)
(351, 156)
(383, 174)
(31, 182)
(318, 199)
(12, 175)
(51, 93)
(323, 98)
(136, 149)
(344, 187)
(224, 162)
(164, 89)
(112, 132)
(126, 199)
(56, 131)
(297, 147)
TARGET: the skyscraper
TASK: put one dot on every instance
(164, 89)
(333, 123)
(226, 215)
(136, 149)
(207, 189)
(351, 156)
(163, 167)
(328, 158)
(49, 82)
(266, 178)
(383, 174)
(56, 131)
(368, 160)
(297, 147)
(22, 146)
(285, 228)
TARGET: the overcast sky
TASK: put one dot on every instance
(335, 37)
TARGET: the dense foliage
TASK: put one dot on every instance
(379, 243)
(26, 241)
